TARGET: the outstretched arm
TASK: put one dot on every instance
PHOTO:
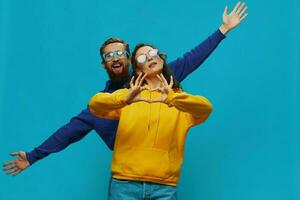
(193, 59)
(190, 61)
(78, 127)
(75, 130)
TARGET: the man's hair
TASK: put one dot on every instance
(113, 40)
(165, 71)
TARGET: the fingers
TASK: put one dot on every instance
(18, 153)
(158, 76)
(225, 11)
(9, 163)
(245, 15)
(17, 172)
(236, 7)
(141, 99)
(156, 101)
(171, 82)
(13, 170)
(159, 89)
(153, 89)
(240, 8)
(144, 88)
(131, 81)
(142, 79)
(138, 79)
(9, 167)
(243, 11)
(164, 79)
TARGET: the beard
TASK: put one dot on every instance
(118, 79)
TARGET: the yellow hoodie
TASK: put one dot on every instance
(150, 139)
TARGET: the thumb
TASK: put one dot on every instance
(144, 88)
(154, 89)
(18, 153)
(140, 99)
(225, 11)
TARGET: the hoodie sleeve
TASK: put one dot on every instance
(108, 105)
(198, 107)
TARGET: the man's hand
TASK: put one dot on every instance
(233, 19)
(18, 165)
(135, 89)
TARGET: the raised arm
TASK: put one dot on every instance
(193, 59)
(190, 61)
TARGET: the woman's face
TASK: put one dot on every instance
(148, 61)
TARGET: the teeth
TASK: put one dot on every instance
(116, 65)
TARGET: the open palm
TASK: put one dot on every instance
(135, 89)
(16, 166)
(236, 16)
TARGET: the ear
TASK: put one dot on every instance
(103, 64)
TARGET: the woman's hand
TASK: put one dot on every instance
(165, 88)
(135, 89)
(18, 165)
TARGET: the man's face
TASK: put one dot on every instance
(117, 66)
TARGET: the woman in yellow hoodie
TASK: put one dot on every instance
(155, 116)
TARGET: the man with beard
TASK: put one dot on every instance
(115, 56)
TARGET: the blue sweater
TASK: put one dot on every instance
(80, 125)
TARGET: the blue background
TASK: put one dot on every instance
(50, 67)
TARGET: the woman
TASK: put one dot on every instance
(155, 116)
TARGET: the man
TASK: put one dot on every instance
(115, 56)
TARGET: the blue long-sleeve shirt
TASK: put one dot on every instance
(80, 125)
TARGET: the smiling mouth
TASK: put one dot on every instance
(117, 68)
(117, 65)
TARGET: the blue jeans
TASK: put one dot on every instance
(135, 190)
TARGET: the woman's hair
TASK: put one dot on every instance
(165, 71)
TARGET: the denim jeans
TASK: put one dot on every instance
(135, 190)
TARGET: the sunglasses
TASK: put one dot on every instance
(142, 59)
(120, 54)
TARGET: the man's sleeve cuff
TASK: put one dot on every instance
(219, 35)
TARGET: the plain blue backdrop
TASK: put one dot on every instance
(50, 67)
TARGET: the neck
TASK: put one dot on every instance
(120, 80)
(153, 82)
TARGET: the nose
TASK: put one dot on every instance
(148, 57)
(115, 58)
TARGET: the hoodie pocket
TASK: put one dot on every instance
(149, 162)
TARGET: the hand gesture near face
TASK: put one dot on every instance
(135, 89)
(165, 88)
